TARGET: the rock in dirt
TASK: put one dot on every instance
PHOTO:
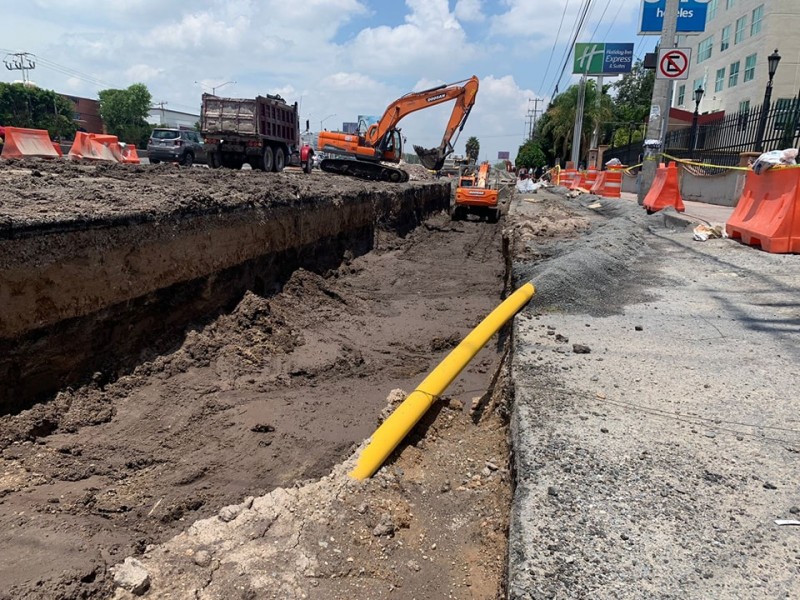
(132, 576)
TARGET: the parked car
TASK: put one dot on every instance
(175, 145)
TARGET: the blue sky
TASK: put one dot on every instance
(335, 57)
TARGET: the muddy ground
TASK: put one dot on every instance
(273, 393)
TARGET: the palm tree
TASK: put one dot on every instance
(561, 117)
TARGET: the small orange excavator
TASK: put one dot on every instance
(360, 155)
(473, 195)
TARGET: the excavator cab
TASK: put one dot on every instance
(392, 146)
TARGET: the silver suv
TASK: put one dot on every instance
(175, 145)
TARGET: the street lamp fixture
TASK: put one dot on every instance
(698, 96)
(216, 87)
(772, 62)
(325, 119)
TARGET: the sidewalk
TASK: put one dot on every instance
(697, 211)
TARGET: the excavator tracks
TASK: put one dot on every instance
(363, 170)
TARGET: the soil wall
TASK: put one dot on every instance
(83, 297)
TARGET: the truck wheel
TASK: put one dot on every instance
(308, 166)
(268, 159)
(214, 161)
(280, 160)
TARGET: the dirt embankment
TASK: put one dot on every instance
(276, 390)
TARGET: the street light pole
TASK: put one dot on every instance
(325, 119)
(773, 60)
(698, 95)
(216, 87)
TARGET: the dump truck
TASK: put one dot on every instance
(475, 196)
(263, 132)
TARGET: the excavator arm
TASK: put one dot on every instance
(463, 92)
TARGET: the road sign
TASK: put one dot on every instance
(602, 59)
(691, 16)
(673, 63)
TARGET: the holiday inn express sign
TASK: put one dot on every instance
(691, 16)
(602, 59)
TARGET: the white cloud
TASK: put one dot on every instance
(431, 41)
(142, 73)
(469, 11)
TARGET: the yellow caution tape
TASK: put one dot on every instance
(701, 164)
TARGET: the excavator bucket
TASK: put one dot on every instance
(431, 158)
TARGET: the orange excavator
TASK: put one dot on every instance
(474, 195)
(362, 154)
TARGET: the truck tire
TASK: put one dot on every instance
(309, 165)
(280, 160)
(268, 159)
(214, 161)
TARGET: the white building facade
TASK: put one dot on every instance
(729, 60)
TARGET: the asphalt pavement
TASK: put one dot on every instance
(655, 421)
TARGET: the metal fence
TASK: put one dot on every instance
(721, 141)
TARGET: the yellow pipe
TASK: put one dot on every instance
(402, 420)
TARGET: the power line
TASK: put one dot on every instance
(555, 43)
(600, 20)
(578, 29)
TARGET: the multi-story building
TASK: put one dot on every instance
(729, 60)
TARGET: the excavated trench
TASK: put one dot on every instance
(84, 295)
(173, 340)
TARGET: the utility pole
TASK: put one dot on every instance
(163, 115)
(533, 116)
(578, 130)
(659, 107)
(596, 132)
(20, 61)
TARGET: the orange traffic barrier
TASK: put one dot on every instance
(665, 190)
(568, 177)
(591, 178)
(94, 146)
(129, 154)
(768, 212)
(57, 148)
(21, 143)
(612, 186)
(599, 184)
(578, 181)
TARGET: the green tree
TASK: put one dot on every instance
(560, 121)
(32, 107)
(530, 155)
(473, 148)
(125, 112)
(634, 94)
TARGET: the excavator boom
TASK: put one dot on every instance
(362, 155)
(464, 96)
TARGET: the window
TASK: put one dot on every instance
(729, 3)
(719, 82)
(681, 95)
(733, 75)
(786, 115)
(726, 38)
(704, 49)
(750, 67)
(712, 9)
(758, 16)
(744, 114)
(741, 25)
(698, 83)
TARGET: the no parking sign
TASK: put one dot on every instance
(673, 63)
